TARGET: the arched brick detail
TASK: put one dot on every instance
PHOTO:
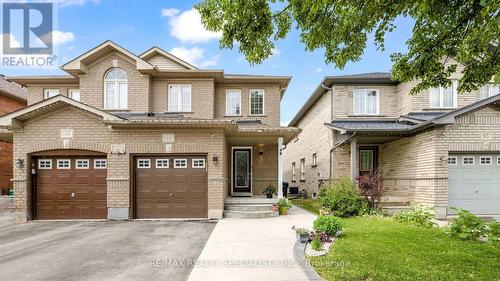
(71, 144)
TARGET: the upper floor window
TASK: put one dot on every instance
(293, 172)
(303, 169)
(314, 160)
(74, 94)
(115, 89)
(366, 101)
(443, 97)
(179, 98)
(256, 102)
(233, 102)
(489, 90)
(48, 93)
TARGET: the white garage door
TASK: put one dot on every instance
(474, 183)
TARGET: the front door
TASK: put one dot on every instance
(242, 171)
(368, 160)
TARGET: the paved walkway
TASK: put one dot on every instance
(253, 249)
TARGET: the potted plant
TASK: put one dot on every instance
(302, 234)
(283, 206)
(269, 191)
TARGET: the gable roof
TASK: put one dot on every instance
(78, 65)
(49, 105)
(157, 51)
(381, 78)
(12, 89)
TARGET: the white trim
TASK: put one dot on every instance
(46, 161)
(365, 96)
(116, 83)
(485, 157)
(250, 102)
(198, 159)
(167, 55)
(468, 164)
(302, 169)
(181, 101)
(82, 168)
(440, 89)
(72, 91)
(180, 166)
(59, 161)
(251, 171)
(105, 163)
(163, 166)
(452, 157)
(46, 92)
(227, 92)
(143, 163)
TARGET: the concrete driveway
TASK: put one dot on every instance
(136, 250)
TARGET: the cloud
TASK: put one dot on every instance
(60, 37)
(195, 56)
(285, 123)
(65, 3)
(318, 70)
(14, 43)
(187, 26)
(275, 51)
(169, 12)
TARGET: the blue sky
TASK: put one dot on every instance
(138, 25)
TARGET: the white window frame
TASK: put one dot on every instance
(184, 166)
(180, 107)
(455, 158)
(47, 91)
(294, 172)
(440, 89)
(263, 102)
(44, 167)
(468, 164)
(71, 93)
(59, 161)
(162, 166)
(365, 95)
(228, 112)
(198, 167)
(314, 160)
(78, 161)
(485, 157)
(101, 167)
(116, 83)
(143, 163)
(302, 169)
(489, 90)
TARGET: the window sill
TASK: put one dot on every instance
(180, 112)
(366, 115)
(257, 115)
(439, 108)
(232, 115)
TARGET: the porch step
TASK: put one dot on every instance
(250, 214)
(250, 201)
(247, 207)
(391, 210)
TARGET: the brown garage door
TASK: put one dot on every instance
(171, 186)
(70, 187)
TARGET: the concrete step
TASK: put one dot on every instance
(250, 215)
(250, 200)
(391, 210)
(248, 207)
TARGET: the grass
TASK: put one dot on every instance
(311, 205)
(376, 248)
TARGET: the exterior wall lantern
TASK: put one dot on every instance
(19, 163)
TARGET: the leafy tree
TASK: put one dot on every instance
(466, 30)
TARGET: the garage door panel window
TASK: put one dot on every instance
(162, 163)
(180, 163)
(452, 160)
(82, 163)
(143, 163)
(63, 164)
(468, 160)
(45, 164)
(485, 160)
(198, 163)
(100, 164)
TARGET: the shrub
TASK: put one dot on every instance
(370, 186)
(316, 244)
(341, 199)
(494, 231)
(284, 203)
(330, 225)
(418, 216)
(466, 226)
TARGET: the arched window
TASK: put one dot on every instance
(115, 89)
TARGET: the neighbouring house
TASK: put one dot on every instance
(126, 136)
(12, 97)
(436, 148)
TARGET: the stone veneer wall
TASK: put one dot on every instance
(90, 134)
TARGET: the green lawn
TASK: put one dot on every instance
(311, 205)
(374, 248)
